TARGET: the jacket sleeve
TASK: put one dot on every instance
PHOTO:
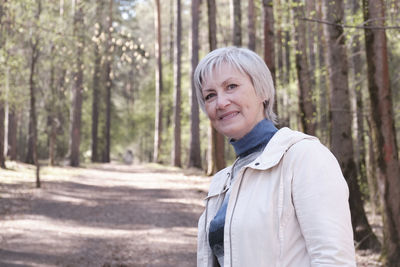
(320, 197)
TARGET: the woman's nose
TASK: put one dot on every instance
(222, 101)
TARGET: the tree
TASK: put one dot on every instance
(341, 120)
(96, 80)
(2, 130)
(269, 51)
(51, 117)
(109, 85)
(159, 83)
(12, 133)
(251, 25)
(356, 64)
(2, 113)
(382, 115)
(236, 21)
(194, 147)
(268, 26)
(176, 147)
(76, 113)
(216, 146)
(32, 135)
(307, 107)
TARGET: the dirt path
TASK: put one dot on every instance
(106, 215)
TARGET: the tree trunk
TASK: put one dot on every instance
(356, 64)
(194, 148)
(251, 25)
(76, 114)
(269, 51)
(322, 84)
(96, 82)
(374, 197)
(212, 24)
(382, 115)
(109, 85)
(311, 30)
(307, 106)
(176, 148)
(32, 112)
(171, 42)
(12, 133)
(2, 130)
(236, 23)
(51, 117)
(268, 21)
(159, 84)
(341, 120)
(216, 142)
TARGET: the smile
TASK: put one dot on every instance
(228, 115)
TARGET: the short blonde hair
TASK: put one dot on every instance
(245, 61)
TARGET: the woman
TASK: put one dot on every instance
(284, 201)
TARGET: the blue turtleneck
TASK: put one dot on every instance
(247, 149)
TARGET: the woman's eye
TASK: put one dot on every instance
(209, 96)
(232, 86)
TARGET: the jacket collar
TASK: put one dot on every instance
(277, 147)
(270, 157)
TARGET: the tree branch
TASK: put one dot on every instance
(353, 26)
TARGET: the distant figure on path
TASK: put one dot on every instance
(128, 157)
(284, 201)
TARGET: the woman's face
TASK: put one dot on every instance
(231, 102)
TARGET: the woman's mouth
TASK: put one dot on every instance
(228, 115)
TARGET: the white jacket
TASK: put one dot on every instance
(289, 207)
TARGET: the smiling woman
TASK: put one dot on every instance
(284, 201)
(231, 102)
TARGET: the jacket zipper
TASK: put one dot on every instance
(233, 211)
(224, 189)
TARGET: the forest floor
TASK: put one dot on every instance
(104, 215)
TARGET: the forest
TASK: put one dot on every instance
(111, 80)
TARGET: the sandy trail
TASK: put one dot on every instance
(103, 215)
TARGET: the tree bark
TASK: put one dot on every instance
(159, 84)
(194, 148)
(12, 133)
(32, 112)
(2, 131)
(382, 115)
(212, 24)
(341, 120)
(269, 50)
(251, 25)
(356, 64)
(176, 147)
(216, 141)
(76, 114)
(109, 85)
(51, 117)
(268, 26)
(96, 82)
(236, 23)
(322, 84)
(306, 103)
